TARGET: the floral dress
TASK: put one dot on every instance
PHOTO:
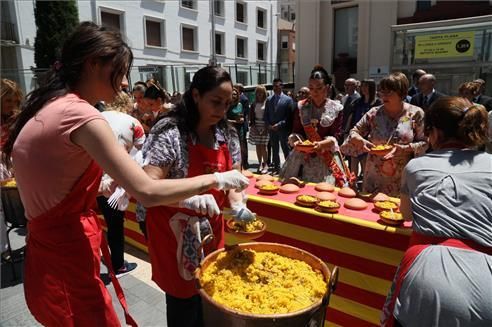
(377, 127)
(312, 167)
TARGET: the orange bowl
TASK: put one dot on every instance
(269, 189)
(381, 150)
(385, 206)
(306, 200)
(306, 148)
(328, 206)
(391, 218)
(234, 228)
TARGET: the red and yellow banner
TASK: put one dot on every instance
(366, 251)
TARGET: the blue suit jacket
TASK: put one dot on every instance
(281, 113)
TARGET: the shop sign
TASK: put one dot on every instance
(448, 45)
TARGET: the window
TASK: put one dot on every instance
(260, 18)
(154, 32)
(111, 20)
(241, 47)
(285, 42)
(241, 12)
(260, 51)
(188, 38)
(219, 44)
(346, 39)
(262, 78)
(219, 8)
(242, 77)
(292, 16)
(190, 4)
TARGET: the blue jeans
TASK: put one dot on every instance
(276, 137)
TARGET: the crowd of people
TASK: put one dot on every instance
(181, 156)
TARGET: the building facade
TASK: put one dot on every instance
(286, 55)
(170, 39)
(371, 38)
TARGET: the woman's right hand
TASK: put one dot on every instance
(230, 180)
(362, 143)
(202, 204)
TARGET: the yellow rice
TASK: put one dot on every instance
(262, 282)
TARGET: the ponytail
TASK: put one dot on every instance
(473, 127)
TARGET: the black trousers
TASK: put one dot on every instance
(116, 237)
(184, 312)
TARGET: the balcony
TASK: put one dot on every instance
(8, 32)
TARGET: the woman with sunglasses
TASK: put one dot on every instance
(396, 123)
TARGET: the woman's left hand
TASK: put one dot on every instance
(398, 150)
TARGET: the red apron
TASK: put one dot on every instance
(419, 243)
(162, 243)
(62, 283)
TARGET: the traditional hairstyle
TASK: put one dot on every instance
(473, 88)
(396, 82)
(204, 80)
(459, 119)
(88, 42)
(319, 72)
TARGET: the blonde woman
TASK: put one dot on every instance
(258, 134)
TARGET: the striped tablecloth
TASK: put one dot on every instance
(366, 251)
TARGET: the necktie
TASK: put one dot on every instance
(426, 101)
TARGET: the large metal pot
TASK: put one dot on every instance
(218, 315)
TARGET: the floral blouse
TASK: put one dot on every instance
(377, 127)
(166, 146)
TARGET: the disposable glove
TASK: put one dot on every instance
(241, 213)
(203, 204)
(232, 179)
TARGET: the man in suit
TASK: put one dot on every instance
(427, 94)
(482, 99)
(414, 89)
(278, 112)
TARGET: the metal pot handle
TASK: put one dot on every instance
(205, 240)
(332, 285)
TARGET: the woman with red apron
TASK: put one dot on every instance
(57, 139)
(445, 277)
(179, 147)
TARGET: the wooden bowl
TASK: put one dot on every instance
(269, 189)
(328, 206)
(381, 150)
(261, 183)
(391, 218)
(324, 187)
(385, 206)
(233, 228)
(306, 201)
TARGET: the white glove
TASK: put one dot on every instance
(232, 179)
(241, 213)
(202, 204)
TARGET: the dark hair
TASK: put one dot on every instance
(397, 82)
(139, 87)
(371, 84)
(319, 72)
(276, 80)
(155, 92)
(204, 80)
(89, 41)
(458, 118)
